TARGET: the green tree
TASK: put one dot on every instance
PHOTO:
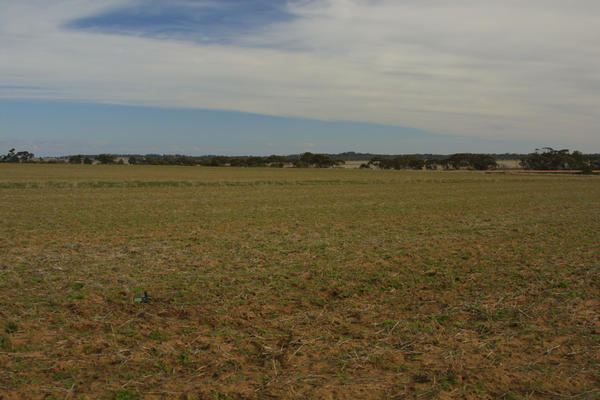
(78, 159)
(469, 161)
(309, 159)
(549, 159)
(431, 164)
(106, 158)
(10, 156)
(19, 157)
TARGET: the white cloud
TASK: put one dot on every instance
(476, 68)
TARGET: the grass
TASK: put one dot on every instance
(293, 283)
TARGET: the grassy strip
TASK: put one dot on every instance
(144, 184)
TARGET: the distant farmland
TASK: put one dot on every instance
(297, 283)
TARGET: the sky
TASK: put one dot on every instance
(286, 76)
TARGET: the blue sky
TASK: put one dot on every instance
(285, 76)
(57, 128)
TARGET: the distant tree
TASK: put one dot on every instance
(309, 159)
(470, 161)
(244, 161)
(10, 156)
(459, 161)
(78, 159)
(399, 162)
(549, 159)
(255, 161)
(322, 161)
(275, 159)
(431, 164)
(444, 163)
(587, 170)
(151, 159)
(306, 159)
(19, 157)
(25, 156)
(238, 162)
(87, 160)
(594, 161)
(455, 161)
(380, 162)
(483, 162)
(219, 161)
(106, 158)
(415, 163)
(578, 160)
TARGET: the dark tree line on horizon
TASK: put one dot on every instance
(456, 161)
(305, 160)
(545, 159)
(548, 159)
(277, 161)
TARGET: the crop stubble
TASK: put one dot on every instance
(268, 283)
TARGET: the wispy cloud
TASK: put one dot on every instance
(478, 68)
(222, 22)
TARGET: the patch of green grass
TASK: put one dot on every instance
(10, 327)
(184, 358)
(5, 343)
(126, 395)
(157, 335)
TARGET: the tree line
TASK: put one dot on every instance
(305, 160)
(545, 159)
(456, 161)
(548, 159)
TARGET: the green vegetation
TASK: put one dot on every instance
(17, 157)
(550, 159)
(106, 158)
(456, 161)
(297, 283)
(546, 159)
(400, 162)
(126, 395)
(80, 159)
(303, 161)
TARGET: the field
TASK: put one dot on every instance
(297, 283)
